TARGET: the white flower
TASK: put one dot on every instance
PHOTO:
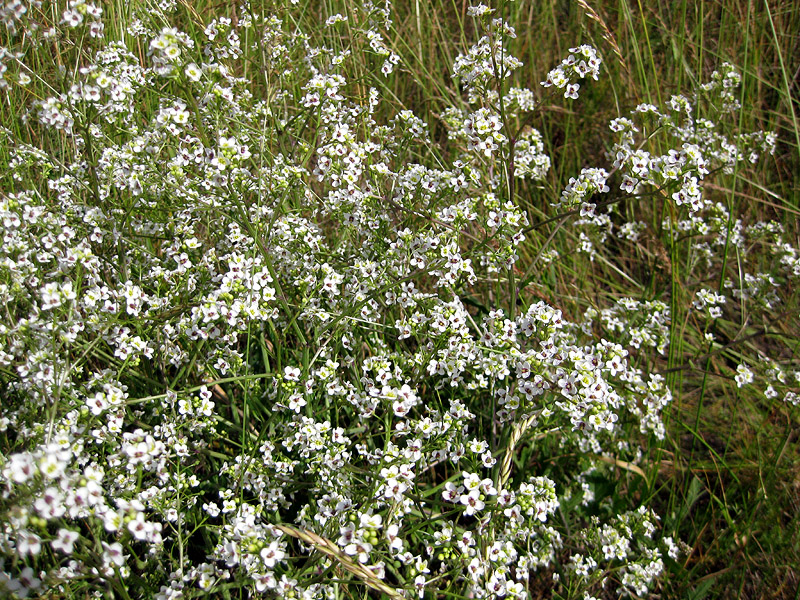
(371, 521)
(360, 549)
(97, 403)
(65, 542)
(743, 375)
(472, 501)
(479, 10)
(28, 543)
(51, 465)
(20, 468)
(272, 554)
(51, 296)
(112, 520)
(112, 554)
(26, 582)
(571, 91)
(193, 72)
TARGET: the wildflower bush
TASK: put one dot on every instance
(268, 332)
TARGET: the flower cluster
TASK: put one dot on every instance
(582, 62)
(640, 323)
(709, 302)
(489, 60)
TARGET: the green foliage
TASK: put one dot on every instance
(336, 299)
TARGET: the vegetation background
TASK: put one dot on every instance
(727, 476)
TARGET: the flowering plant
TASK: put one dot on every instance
(258, 333)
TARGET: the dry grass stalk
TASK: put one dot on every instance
(330, 549)
(606, 34)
